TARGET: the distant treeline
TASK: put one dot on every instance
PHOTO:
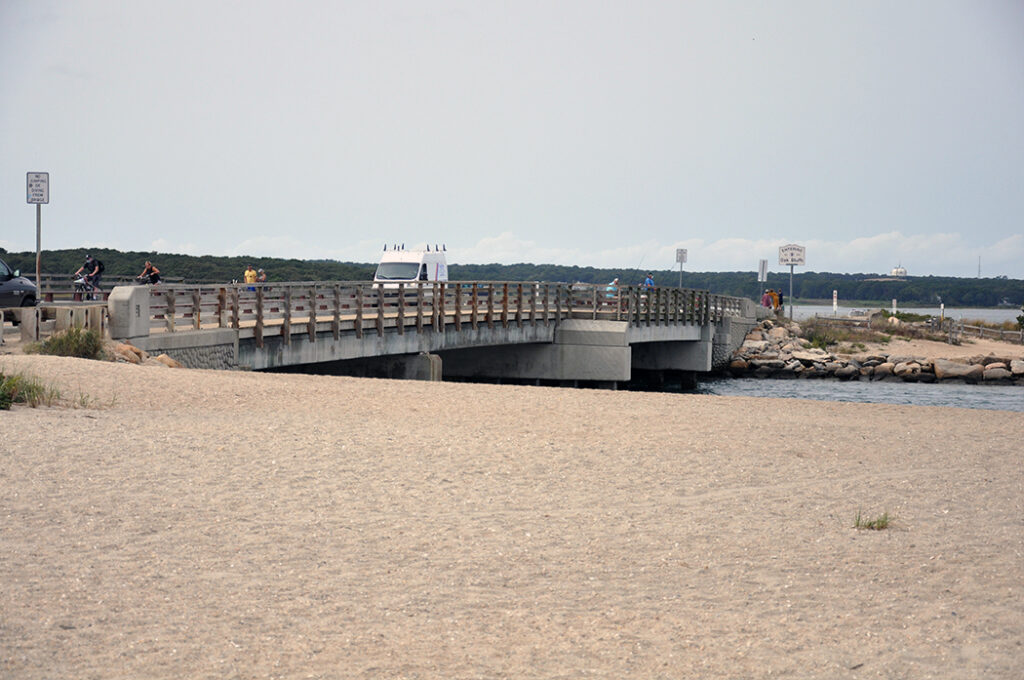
(852, 288)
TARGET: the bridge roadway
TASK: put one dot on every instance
(544, 332)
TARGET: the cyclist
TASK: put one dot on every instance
(150, 272)
(91, 271)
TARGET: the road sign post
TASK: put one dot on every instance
(792, 255)
(680, 258)
(37, 190)
(762, 278)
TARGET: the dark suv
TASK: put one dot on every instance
(15, 289)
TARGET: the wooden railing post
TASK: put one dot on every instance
(490, 305)
(196, 308)
(336, 322)
(533, 304)
(458, 306)
(419, 307)
(235, 312)
(401, 308)
(286, 326)
(437, 306)
(380, 310)
(258, 330)
(504, 305)
(475, 303)
(311, 324)
(169, 314)
(222, 307)
(547, 309)
(519, 305)
(359, 311)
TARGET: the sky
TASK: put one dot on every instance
(604, 134)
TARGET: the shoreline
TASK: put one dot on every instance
(775, 350)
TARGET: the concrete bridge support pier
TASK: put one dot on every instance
(583, 350)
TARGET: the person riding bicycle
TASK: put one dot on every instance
(150, 272)
(91, 271)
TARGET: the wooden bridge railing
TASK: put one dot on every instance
(361, 307)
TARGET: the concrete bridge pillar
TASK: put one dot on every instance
(583, 350)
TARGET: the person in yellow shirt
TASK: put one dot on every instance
(250, 276)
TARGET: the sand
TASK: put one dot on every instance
(172, 523)
(931, 349)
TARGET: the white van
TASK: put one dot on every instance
(399, 265)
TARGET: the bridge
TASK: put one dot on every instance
(545, 333)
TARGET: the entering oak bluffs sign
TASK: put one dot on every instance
(792, 254)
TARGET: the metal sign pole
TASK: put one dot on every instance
(790, 292)
(680, 258)
(39, 241)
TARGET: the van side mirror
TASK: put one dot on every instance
(17, 273)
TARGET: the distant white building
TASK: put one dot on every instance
(898, 271)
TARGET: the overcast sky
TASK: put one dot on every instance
(572, 132)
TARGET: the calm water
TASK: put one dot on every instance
(989, 315)
(992, 397)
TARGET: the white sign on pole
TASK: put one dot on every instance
(680, 255)
(37, 187)
(792, 254)
(835, 302)
(762, 271)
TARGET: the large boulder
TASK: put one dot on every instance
(778, 334)
(811, 355)
(794, 366)
(737, 366)
(124, 352)
(883, 370)
(994, 374)
(951, 370)
(768, 363)
(167, 361)
(847, 373)
(1017, 367)
(905, 368)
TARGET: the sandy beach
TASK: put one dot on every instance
(173, 523)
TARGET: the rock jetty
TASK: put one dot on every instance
(775, 350)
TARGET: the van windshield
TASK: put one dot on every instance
(397, 271)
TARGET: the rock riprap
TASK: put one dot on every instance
(775, 350)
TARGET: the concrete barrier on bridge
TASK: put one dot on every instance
(128, 309)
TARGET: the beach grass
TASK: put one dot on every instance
(876, 524)
(18, 388)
